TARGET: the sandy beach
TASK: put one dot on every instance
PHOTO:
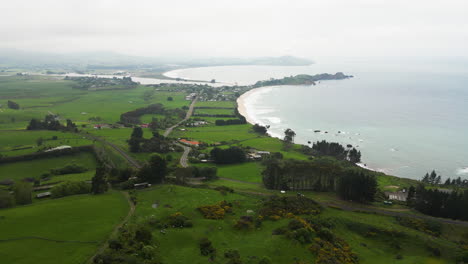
(241, 107)
(243, 100)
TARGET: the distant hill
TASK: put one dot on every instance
(112, 60)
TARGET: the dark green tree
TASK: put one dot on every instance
(411, 195)
(154, 171)
(99, 182)
(6, 199)
(228, 156)
(134, 144)
(357, 185)
(22, 192)
(137, 132)
(13, 105)
(289, 135)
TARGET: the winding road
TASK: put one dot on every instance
(184, 158)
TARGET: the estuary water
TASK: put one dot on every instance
(406, 117)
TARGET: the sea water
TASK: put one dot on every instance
(407, 117)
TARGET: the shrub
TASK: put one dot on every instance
(22, 192)
(429, 227)
(179, 220)
(216, 211)
(13, 105)
(333, 253)
(143, 235)
(206, 247)
(245, 223)
(276, 207)
(70, 188)
(68, 169)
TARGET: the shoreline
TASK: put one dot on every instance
(241, 105)
(242, 109)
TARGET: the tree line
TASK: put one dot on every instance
(133, 117)
(320, 174)
(157, 143)
(51, 122)
(439, 203)
(333, 149)
(434, 179)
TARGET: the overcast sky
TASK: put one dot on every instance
(307, 28)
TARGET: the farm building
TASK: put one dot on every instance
(190, 97)
(141, 185)
(43, 195)
(398, 196)
(59, 148)
(190, 143)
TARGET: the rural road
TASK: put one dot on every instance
(187, 117)
(184, 158)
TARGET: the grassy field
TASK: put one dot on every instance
(34, 168)
(85, 218)
(41, 95)
(214, 134)
(379, 249)
(216, 104)
(15, 143)
(214, 111)
(180, 245)
(248, 171)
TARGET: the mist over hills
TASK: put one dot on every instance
(112, 60)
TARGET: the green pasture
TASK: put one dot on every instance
(85, 218)
(216, 104)
(42, 95)
(181, 245)
(214, 111)
(20, 142)
(248, 171)
(34, 168)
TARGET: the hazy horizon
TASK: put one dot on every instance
(308, 29)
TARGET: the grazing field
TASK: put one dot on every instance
(248, 171)
(15, 143)
(181, 245)
(383, 249)
(216, 104)
(35, 168)
(214, 111)
(214, 134)
(85, 218)
(42, 95)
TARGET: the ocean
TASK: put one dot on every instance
(406, 116)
